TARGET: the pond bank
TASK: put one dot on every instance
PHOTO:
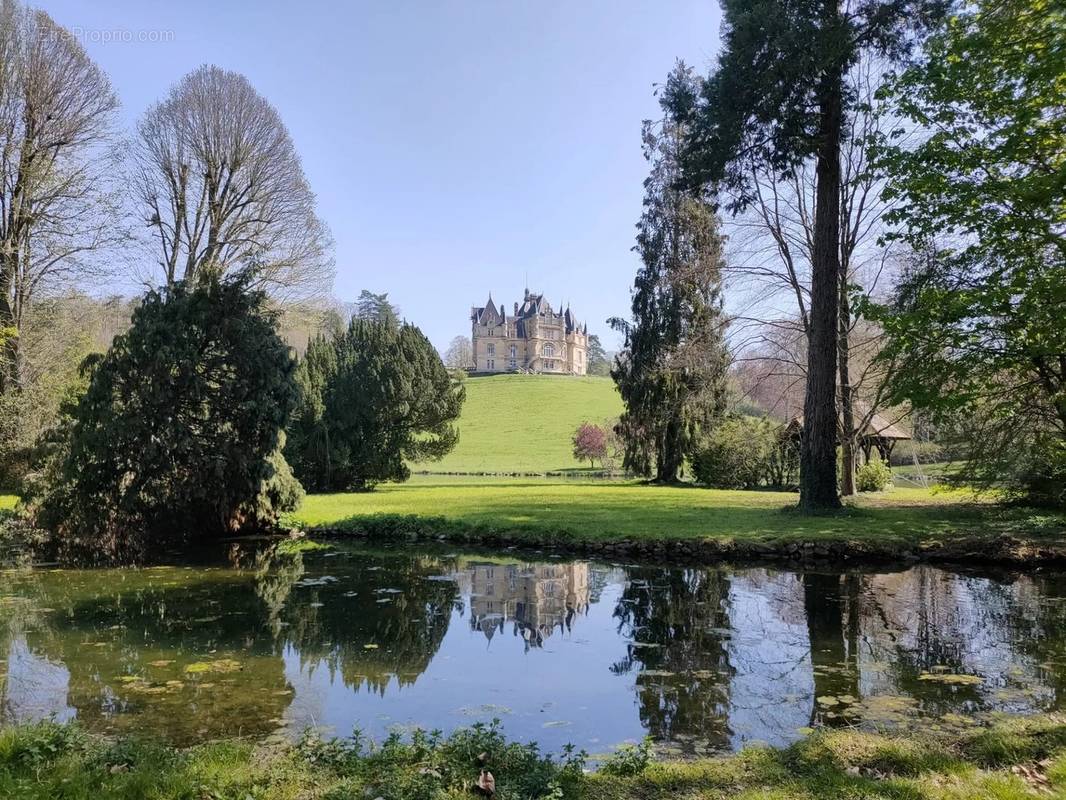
(1012, 758)
(1017, 547)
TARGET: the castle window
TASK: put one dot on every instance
(490, 364)
(514, 350)
(513, 363)
(549, 350)
(492, 349)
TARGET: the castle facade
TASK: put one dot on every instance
(534, 338)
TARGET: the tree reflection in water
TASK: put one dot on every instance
(676, 624)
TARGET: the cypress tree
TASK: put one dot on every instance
(671, 371)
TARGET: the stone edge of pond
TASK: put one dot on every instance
(1000, 549)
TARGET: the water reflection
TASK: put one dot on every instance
(594, 654)
(535, 599)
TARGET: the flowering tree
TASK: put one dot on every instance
(590, 442)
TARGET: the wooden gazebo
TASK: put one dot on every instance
(878, 433)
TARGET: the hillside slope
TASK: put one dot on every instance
(524, 423)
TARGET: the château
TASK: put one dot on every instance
(534, 338)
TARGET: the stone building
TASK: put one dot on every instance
(534, 338)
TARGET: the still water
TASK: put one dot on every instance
(560, 651)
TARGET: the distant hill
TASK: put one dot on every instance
(524, 423)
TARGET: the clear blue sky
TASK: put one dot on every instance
(455, 145)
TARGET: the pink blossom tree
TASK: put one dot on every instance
(590, 442)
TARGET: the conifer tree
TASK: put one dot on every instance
(179, 432)
(372, 398)
(671, 371)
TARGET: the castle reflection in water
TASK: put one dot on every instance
(532, 600)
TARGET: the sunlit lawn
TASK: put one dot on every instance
(524, 423)
(594, 510)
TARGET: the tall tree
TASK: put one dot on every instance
(221, 188)
(978, 320)
(57, 116)
(376, 308)
(460, 354)
(779, 96)
(598, 361)
(769, 269)
(671, 372)
(371, 399)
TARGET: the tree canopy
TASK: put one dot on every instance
(371, 398)
(599, 363)
(977, 323)
(376, 308)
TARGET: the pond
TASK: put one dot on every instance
(561, 651)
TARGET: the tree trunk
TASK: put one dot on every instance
(9, 342)
(848, 443)
(818, 463)
(668, 464)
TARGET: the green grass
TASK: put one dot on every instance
(8, 501)
(1014, 759)
(524, 423)
(564, 509)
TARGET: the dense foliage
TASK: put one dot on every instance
(371, 398)
(374, 307)
(178, 433)
(599, 363)
(671, 371)
(745, 453)
(873, 476)
(977, 323)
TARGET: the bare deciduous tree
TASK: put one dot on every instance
(221, 187)
(770, 266)
(57, 159)
(460, 353)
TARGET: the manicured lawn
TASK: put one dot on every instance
(589, 510)
(1012, 760)
(524, 423)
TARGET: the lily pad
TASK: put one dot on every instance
(951, 679)
(221, 665)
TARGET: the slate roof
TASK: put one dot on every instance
(533, 305)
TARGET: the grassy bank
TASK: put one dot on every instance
(1011, 760)
(591, 513)
(524, 423)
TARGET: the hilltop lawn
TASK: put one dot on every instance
(524, 423)
(586, 511)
